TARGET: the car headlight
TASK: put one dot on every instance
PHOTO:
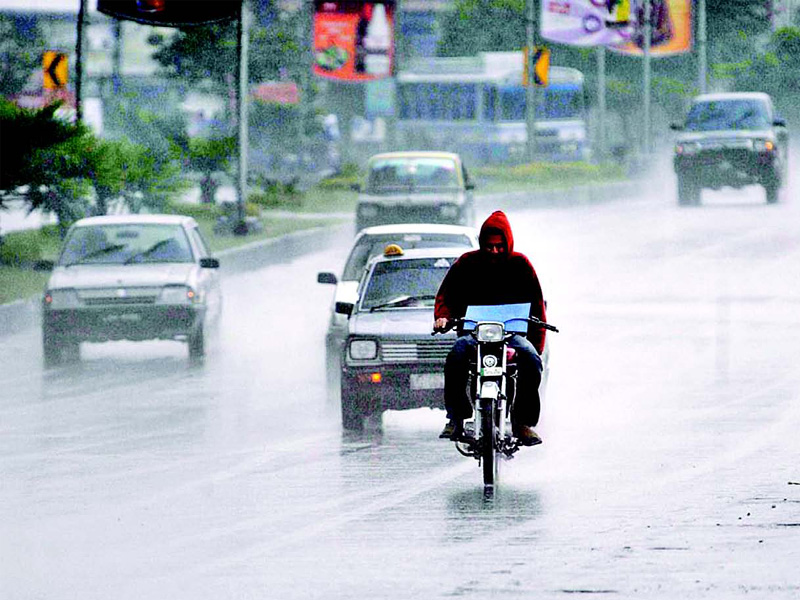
(367, 210)
(763, 145)
(687, 148)
(363, 349)
(178, 294)
(490, 332)
(449, 211)
(60, 299)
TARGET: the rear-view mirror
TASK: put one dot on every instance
(779, 122)
(326, 277)
(344, 308)
(209, 263)
(356, 187)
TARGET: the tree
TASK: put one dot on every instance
(21, 46)
(26, 132)
(483, 26)
(63, 168)
(209, 156)
(210, 52)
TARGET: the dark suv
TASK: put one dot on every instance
(730, 139)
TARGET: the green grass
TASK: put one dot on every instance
(545, 176)
(17, 283)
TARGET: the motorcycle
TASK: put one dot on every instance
(488, 436)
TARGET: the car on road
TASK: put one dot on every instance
(730, 139)
(368, 243)
(390, 360)
(416, 187)
(130, 277)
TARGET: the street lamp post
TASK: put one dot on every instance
(243, 31)
(530, 90)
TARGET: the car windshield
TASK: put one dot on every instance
(370, 246)
(390, 174)
(728, 114)
(404, 283)
(125, 244)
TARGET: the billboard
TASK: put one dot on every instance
(618, 24)
(354, 41)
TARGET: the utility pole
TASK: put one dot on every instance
(647, 30)
(242, 97)
(79, 62)
(702, 35)
(601, 102)
(530, 96)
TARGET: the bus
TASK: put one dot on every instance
(476, 106)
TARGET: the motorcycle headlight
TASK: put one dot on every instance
(687, 148)
(178, 294)
(490, 332)
(763, 145)
(363, 349)
(368, 210)
(61, 299)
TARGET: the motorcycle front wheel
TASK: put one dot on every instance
(488, 445)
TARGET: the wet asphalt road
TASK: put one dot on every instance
(669, 468)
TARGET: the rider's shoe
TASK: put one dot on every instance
(526, 435)
(453, 430)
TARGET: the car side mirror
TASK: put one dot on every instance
(327, 277)
(344, 308)
(356, 187)
(469, 185)
(209, 263)
(676, 126)
(779, 122)
(43, 265)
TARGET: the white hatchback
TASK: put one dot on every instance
(130, 277)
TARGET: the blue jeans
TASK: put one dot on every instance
(457, 400)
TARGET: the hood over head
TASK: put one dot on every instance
(497, 223)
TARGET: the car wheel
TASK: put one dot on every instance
(688, 193)
(57, 350)
(352, 419)
(332, 369)
(772, 189)
(197, 343)
(51, 349)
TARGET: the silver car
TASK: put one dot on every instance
(416, 187)
(130, 277)
(371, 242)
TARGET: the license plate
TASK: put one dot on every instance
(124, 318)
(426, 381)
(491, 371)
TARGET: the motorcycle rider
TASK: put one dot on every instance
(492, 275)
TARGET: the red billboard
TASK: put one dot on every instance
(354, 41)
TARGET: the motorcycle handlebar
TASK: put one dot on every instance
(461, 320)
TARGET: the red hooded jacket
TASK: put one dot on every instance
(478, 278)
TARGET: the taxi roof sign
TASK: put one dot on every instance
(393, 250)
